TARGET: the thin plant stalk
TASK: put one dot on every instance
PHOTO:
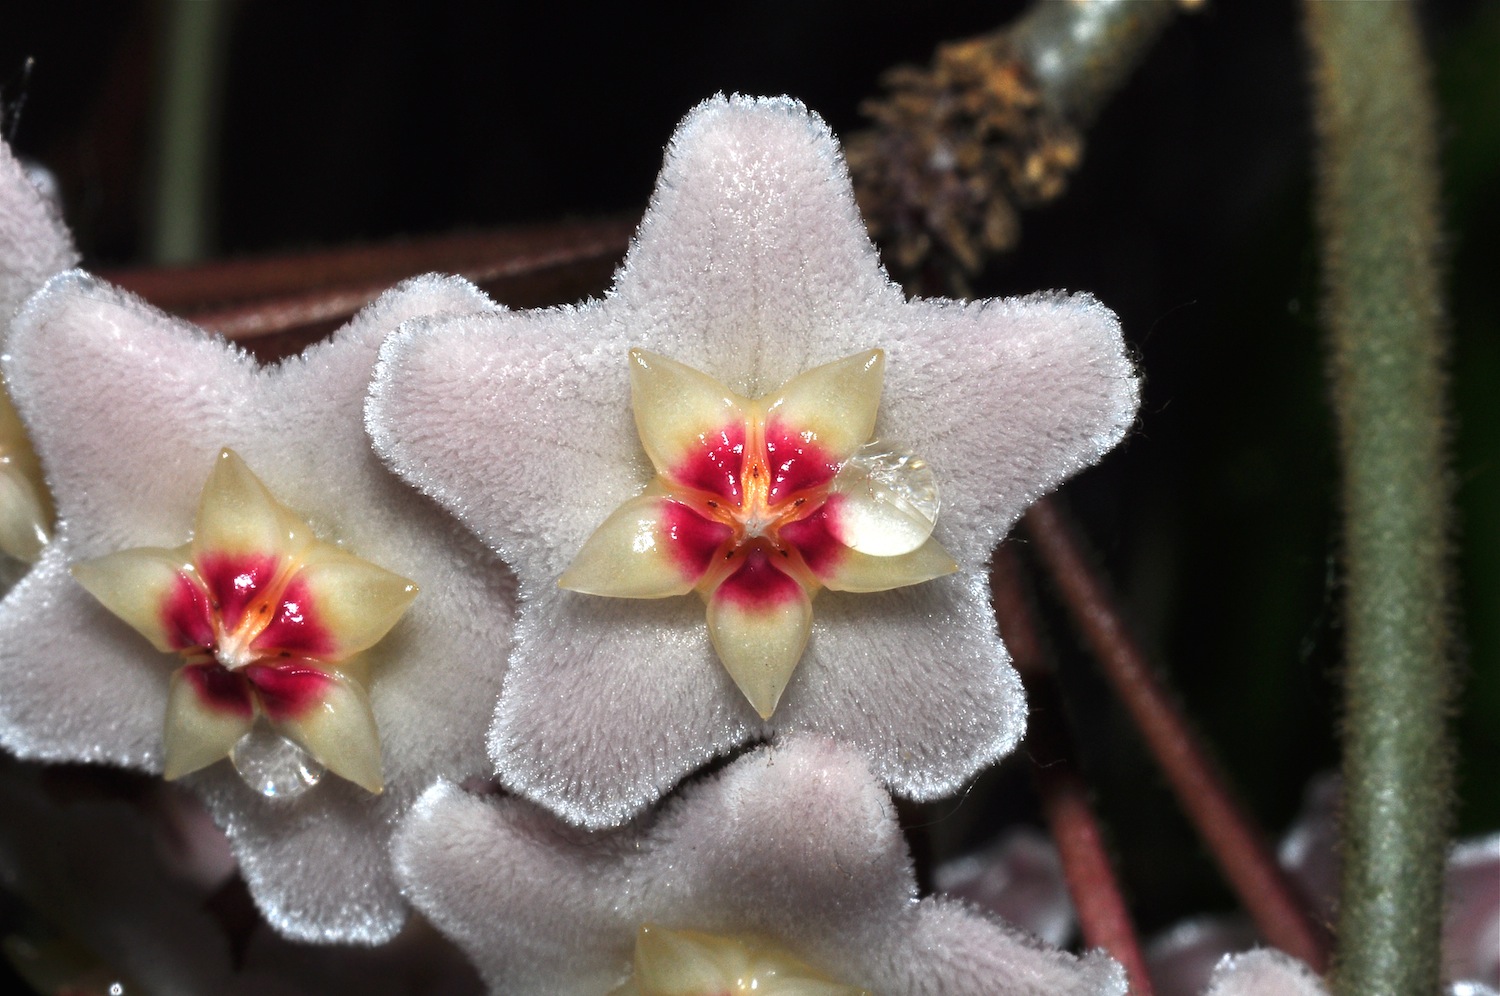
(1377, 197)
(194, 43)
(250, 298)
(1103, 915)
(1230, 833)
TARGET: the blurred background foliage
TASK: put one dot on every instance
(343, 122)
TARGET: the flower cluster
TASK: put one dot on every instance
(754, 412)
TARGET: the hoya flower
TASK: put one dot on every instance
(267, 618)
(768, 340)
(131, 411)
(34, 245)
(34, 242)
(788, 867)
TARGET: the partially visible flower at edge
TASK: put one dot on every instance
(1264, 972)
(108, 899)
(129, 409)
(752, 266)
(34, 245)
(1019, 878)
(795, 846)
(122, 891)
(1180, 958)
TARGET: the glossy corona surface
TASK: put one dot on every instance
(268, 621)
(758, 504)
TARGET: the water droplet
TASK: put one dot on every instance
(892, 500)
(274, 766)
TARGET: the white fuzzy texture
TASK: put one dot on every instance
(128, 408)
(796, 843)
(34, 243)
(1264, 972)
(751, 265)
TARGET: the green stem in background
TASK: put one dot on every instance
(1081, 53)
(1377, 207)
(194, 37)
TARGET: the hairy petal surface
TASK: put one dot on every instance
(34, 242)
(752, 266)
(130, 409)
(34, 245)
(797, 844)
(1264, 972)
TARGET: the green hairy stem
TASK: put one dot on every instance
(1377, 204)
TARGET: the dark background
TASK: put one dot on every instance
(345, 122)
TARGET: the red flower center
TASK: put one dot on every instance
(753, 500)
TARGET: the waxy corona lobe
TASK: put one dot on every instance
(269, 620)
(25, 505)
(756, 505)
(682, 962)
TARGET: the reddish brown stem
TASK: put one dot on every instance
(303, 296)
(1232, 837)
(487, 255)
(1103, 916)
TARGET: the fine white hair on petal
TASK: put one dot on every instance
(751, 265)
(1019, 878)
(34, 243)
(1264, 972)
(796, 843)
(129, 408)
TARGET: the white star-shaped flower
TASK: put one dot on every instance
(130, 410)
(788, 866)
(751, 268)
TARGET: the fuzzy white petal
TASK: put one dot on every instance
(796, 843)
(34, 243)
(130, 408)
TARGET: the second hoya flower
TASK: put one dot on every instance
(268, 619)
